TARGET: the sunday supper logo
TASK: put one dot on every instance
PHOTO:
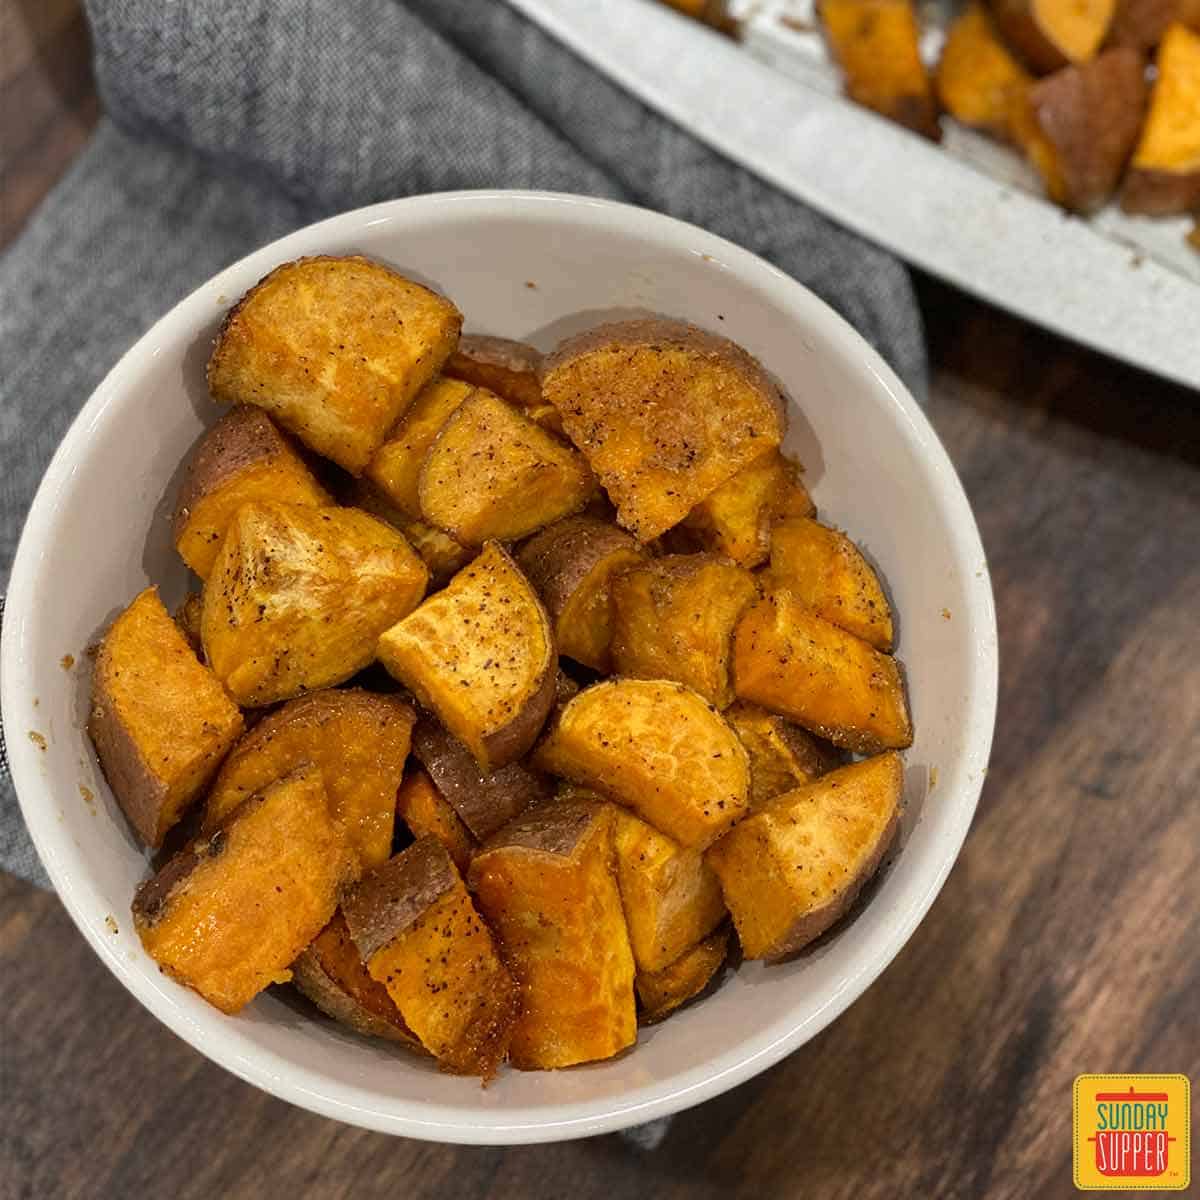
(1132, 1132)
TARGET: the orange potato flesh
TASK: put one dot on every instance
(441, 554)
(791, 870)
(546, 885)
(662, 992)
(792, 662)
(421, 807)
(358, 739)
(160, 721)
(782, 756)
(1051, 34)
(228, 915)
(827, 573)
(508, 368)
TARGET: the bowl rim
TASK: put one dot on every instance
(438, 1122)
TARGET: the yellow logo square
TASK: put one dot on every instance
(1132, 1133)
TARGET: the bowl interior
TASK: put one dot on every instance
(538, 268)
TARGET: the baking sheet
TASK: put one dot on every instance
(968, 210)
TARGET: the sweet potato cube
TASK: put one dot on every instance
(571, 564)
(792, 869)
(662, 992)
(510, 369)
(229, 914)
(483, 800)
(782, 755)
(441, 554)
(1051, 34)
(395, 468)
(421, 937)
(427, 814)
(546, 884)
(736, 519)
(664, 413)
(673, 618)
(670, 895)
(358, 739)
(794, 663)
(331, 973)
(334, 349)
(481, 655)
(876, 44)
(827, 573)
(160, 720)
(1164, 177)
(298, 597)
(657, 748)
(494, 473)
(243, 457)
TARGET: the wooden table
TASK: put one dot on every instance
(1065, 940)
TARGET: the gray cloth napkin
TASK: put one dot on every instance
(227, 125)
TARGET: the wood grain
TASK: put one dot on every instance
(1065, 940)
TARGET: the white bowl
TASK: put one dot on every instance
(537, 267)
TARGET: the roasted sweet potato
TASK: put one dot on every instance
(782, 756)
(736, 519)
(298, 597)
(395, 468)
(420, 935)
(230, 913)
(187, 617)
(427, 813)
(242, 457)
(797, 664)
(332, 975)
(160, 720)
(794, 868)
(664, 413)
(658, 748)
(1081, 127)
(1164, 177)
(334, 349)
(546, 884)
(827, 573)
(1140, 24)
(670, 895)
(510, 369)
(979, 82)
(441, 554)
(483, 800)
(673, 618)
(875, 42)
(1051, 34)
(494, 473)
(358, 739)
(571, 564)
(480, 654)
(662, 992)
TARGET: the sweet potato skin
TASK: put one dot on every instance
(792, 870)
(484, 800)
(420, 935)
(426, 812)
(735, 520)
(1036, 30)
(827, 573)
(331, 973)
(571, 565)
(794, 663)
(656, 747)
(673, 618)
(494, 474)
(315, 343)
(662, 992)
(664, 412)
(510, 369)
(160, 721)
(1164, 176)
(782, 756)
(242, 457)
(875, 42)
(1089, 117)
(298, 597)
(358, 739)
(546, 884)
(231, 912)
(481, 655)
(670, 895)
